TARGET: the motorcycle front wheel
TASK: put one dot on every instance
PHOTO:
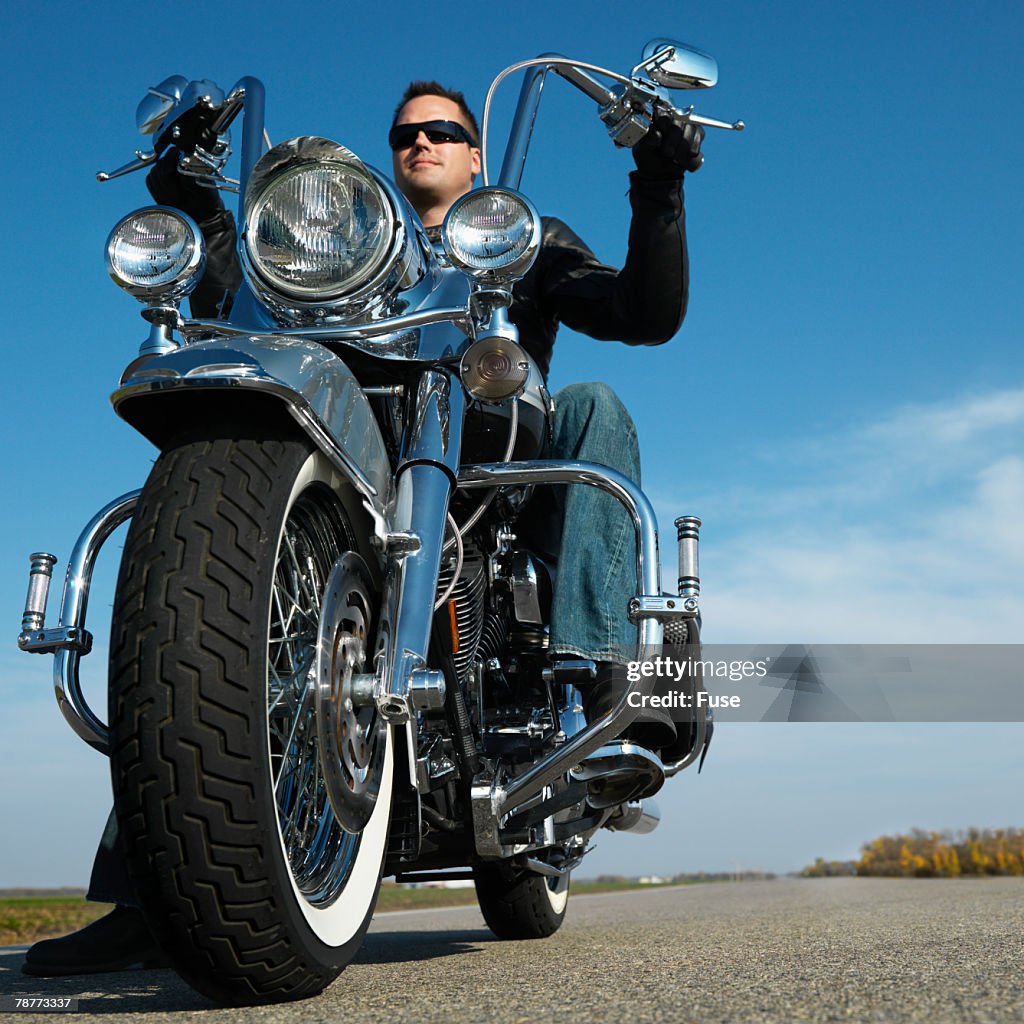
(240, 564)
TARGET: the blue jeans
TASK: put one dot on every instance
(597, 553)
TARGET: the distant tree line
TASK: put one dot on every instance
(924, 854)
(822, 868)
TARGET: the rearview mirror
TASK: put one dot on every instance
(158, 102)
(687, 68)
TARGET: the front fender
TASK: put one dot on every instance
(260, 375)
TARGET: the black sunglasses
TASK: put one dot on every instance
(402, 136)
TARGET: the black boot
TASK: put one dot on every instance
(113, 943)
(653, 728)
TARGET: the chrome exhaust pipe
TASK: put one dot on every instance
(638, 816)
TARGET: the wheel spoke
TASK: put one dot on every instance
(319, 849)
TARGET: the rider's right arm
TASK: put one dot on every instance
(214, 293)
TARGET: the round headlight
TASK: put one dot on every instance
(493, 234)
(156, 254)
(319, 230)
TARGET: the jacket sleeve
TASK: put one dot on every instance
(644, 303)
(215, 292)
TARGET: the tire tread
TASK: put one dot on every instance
(183, 747)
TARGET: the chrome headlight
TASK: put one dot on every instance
(156, 254)
(319, 230)
(493, 234)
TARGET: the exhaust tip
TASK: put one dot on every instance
(637, 816)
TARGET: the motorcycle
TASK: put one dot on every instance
(328, 660)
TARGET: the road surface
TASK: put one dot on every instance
(780, 951)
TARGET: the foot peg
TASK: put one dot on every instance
(573, 671)
(618, 772)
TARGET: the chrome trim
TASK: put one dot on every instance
(318, 389)
(518, 145)
(663, 607)
(74, 604)
(427, 690)
(50, 641)
(430, 434)
(330, 332)
(523, 583)
(688, 531)
(40, 572)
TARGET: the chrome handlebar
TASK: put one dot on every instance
(627, 108)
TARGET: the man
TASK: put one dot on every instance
(435, 158)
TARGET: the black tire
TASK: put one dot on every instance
(519, 904)
(226, 533)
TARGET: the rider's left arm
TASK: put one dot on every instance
(644, 303)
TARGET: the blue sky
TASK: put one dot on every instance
(844, 406)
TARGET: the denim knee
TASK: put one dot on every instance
(592, 424)
(592, 398)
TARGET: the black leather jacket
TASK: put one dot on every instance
(642, 304)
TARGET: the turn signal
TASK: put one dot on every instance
(495, 369)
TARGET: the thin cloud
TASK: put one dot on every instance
(910, 530)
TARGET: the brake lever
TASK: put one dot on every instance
(143, 159)
(687, 116)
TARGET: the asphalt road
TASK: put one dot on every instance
(789, 950)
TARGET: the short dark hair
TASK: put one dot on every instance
(431, 88)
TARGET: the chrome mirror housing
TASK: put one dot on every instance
(174, 94)
(685, 68)
(158, 102)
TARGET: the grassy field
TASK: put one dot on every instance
(24, 919)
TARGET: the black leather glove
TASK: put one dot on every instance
(171, 188)
(669, 149)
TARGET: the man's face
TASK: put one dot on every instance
(433, 175)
